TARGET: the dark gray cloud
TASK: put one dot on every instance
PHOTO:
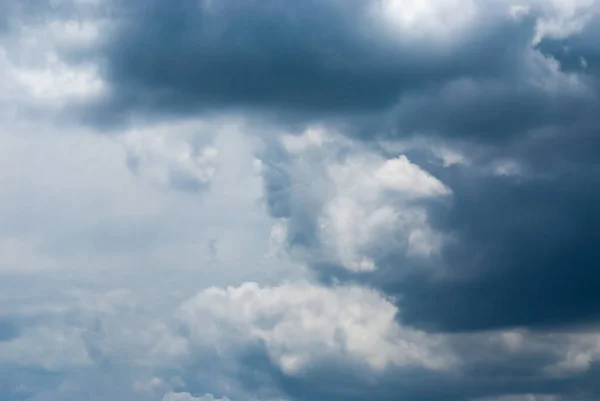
(527, 256)
(525, 252)
(314, 59)
(578, 52)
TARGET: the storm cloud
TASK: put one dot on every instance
(277, 200)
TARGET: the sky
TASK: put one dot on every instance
(312, 200)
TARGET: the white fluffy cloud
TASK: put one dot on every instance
(402, 176)
(362, 201)
(303, 325)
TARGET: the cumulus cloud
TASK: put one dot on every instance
(268, 200)
(307, 331)
(361, 200)
(303, 325)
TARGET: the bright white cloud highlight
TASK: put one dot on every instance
(303, 324)
(361, 200)
(429, 19)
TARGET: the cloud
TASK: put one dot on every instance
(525, 397)
(317, 341)
(327, 200)
(41, 78)
(188, 397)
(488, 245)
(168, 157)
(292, 59)
(303, 325)
(534, 265)
(322, 341)
(361, 201)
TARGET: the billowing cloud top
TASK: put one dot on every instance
(276, 200)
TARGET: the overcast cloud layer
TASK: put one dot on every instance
(276, 200)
